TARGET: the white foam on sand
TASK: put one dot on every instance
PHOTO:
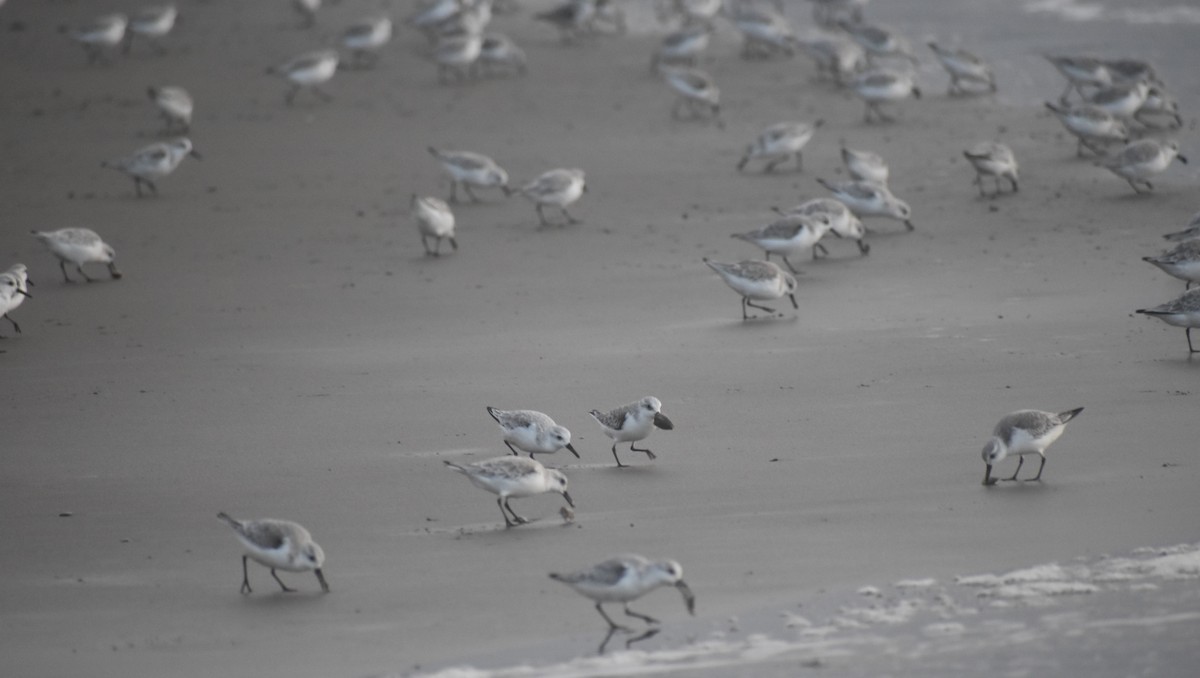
(1075, 10)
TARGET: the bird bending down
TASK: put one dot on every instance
(1024, 432)
(277, 545)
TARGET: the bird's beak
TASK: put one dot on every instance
(19, 291)
(29, 281)
(794, 304)
(661, 421)
(321, 578)
(689, 598)
(195, 155)
(572, 449)
(916, 93)
(567, 496)
(987, 476)
(1181, 159)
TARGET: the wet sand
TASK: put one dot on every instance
(281, 347)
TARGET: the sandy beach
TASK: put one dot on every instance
(281, 346)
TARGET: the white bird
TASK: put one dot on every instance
(558, 187)
(869, 199)
(790, 235)
(765, 32)
(457, 54)
(697, 92)
(278, 545)
(14, 288)
(1183, 262)
(1122, 101)
(102, 33)
(1189, 232)
(366, 37)
(434, 220)
(683, 45)
(509, 477)
(1142, 159)
(532, 431)
(995, 160)
(1080, 72)
(842, 222)
(963, 66)
(633, 422)
(308, 71)
(471, 169)
(1093, 126)
(835, 57)
(1024, 432)
(153, 162)
(152, 24)
(499, 50)
(78, 246)
(625, 578)
(878, 87)
(778, 143)
(1181, 312)
(307, 9)
(1130, 70)
(878, 41)
(865, 165)
(1159, 102)
(175, 105)
(757, 280)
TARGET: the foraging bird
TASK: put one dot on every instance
(13, 290)
(509, 477)
(633, 422)
(1181, 312)
(869, 199)
(697, 93)
(865, 165)
(878, 87)
(434, 220)
(963, 66)
(308, 71)
(1183, 262)
(557, 187)
(278, 545)
(153, 162)
(995, 160)
(78, 246)
(1024, 432)
(175, 105)
(757, 280)
(1142, 159)
(471, 169)
(152, 24)
(790, 235)
(532, 432)
(778, 143)
(102, 33)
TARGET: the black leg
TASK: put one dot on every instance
(1188, 331)
(771, 166)
(644, 617)
(290, 95)
(62, 265)
(1020, 460)
(819, 247)
(611, 624)
(744, 315)
(751, 304)
(541, 216)
(520, 520)
(474, 198)
(79, 267)
(570, 219)
(245, 578)
(512, 449)
(500, 503)
(17, 327)
(799, 161)
(607, 637)
(281, 584)
(638, 449)
(1039, 473)
(425, 244)
(454, 191)
(619, 464)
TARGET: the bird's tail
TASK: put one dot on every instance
(235, 524)
(456, 467)
(492, 411)
(1064, 417)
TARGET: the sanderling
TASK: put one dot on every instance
(78, 246)
(365, 38)
(1189, 232)
(865, 165)
(633, 422)
(1080, 72)
(842, 222)
(558, 187)
(1123, 101)
(963, 66)
(434, 220)
(1183, 262)
(308, 71)
(14, 288)
(572, 18)
(765, 32)
(470, 169)
(500, 51)
(883, 86)
(790, 235)
(1130, 70)
(1093, 126)
(869, 199)
(532, 431)
(779, 142)
(509, 477)
(759, 280)
(878, 41)
(457, 54)
(625, 578)
(828, 13)
(993, 159)
(428, 16)
(472, 19)
(1142, 159)
(835, 57)
(1159, 102)
(176, 107)
(1024, 432)
(153, 162)
(1182, 312)
(307, 9)
(151, 24)
(690, 11)
(697, 93)
(278, 545)
(683, 45)
(102, 33)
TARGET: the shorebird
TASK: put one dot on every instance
(995, 160)
(1182, 312)
(78, 246)
(633, 422)
(278, 545)
(757, 280)
(153, 162)
(1024, 432)
(509, 477)
(434, 220)
(532, 431)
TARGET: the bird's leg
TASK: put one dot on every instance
(634, 448)
(245, 578)
(519, 519)
(644, 617)
(512, 449)
(474, 198)
(79, 267)
(137, 187)
(281, 584)
(62, 265)
(619, 464)
(14, 323)
(867, 116)
(454, 192)
(751, 304)
(322, 94)
(1039, 473)
(613, 626)
(290, 96)
(979, 182)
(771, 166)
(425, 244)
(799, 161)
(675, 108)
(607, 637)
(570, 219)
(1020, 460)
(1187, 331)
(500, 502)
(437, 246)
(819, 246)
(744, 316)
(1064, 97)
(541, 216)
(789, 264)
(1014, 184)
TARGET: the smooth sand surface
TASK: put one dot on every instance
(281, 347)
